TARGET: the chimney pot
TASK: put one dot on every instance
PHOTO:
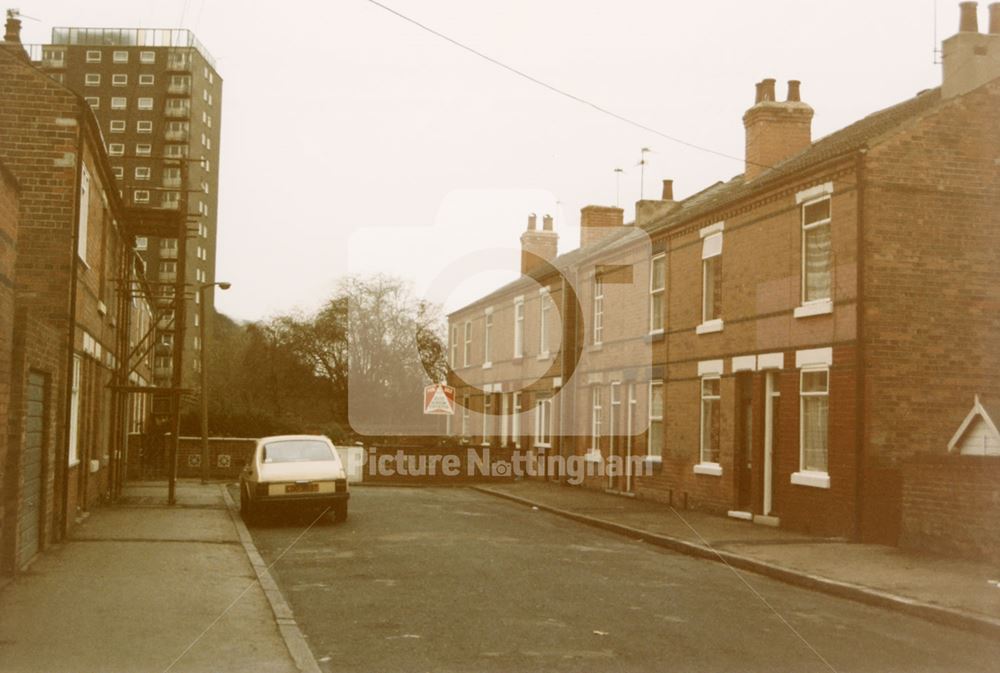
(532, 222)
(968, 21)
(767, 90)
(12, 32)
(995, 18)
(793, 91)
(668, 190)
(547, 223)
(759, 93)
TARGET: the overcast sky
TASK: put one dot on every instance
(355, 142)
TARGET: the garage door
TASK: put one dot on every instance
(31, 466)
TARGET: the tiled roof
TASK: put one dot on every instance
(848, 139)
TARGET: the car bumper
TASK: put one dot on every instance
(317, 499)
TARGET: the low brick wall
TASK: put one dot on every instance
(395, 464)
(951, 505)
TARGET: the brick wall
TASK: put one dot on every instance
(951, 505)
(8, 252)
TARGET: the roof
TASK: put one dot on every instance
(863, 133)
(987, 410)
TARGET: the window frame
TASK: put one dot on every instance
(519, 327)
(806, 476)
(597, 316)
(147, 57)
(467, 350)
(119, 103)
(515, 423)
(543, 422)
(119, 56)
(117, 126)
(657, 294)
(806, 227)
(488, 338)
(596, 417)
(92, 79)
(83, 219)
(93, 56)
(119, 79)
(140, 196)
(454, 345)
(545, 299)
(73, 455)
(717, 400)
(657, 456)
(145, 103)
(144, 126)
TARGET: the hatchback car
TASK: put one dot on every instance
(295, 471)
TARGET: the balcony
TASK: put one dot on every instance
(177, 112)
(177, 136)
(168, 253)
(172, 182)
(170, 204)
(167, 277)
(179, 62)
(179, 89)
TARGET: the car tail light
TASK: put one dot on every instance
(340, 485)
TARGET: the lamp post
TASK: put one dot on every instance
(204, 375)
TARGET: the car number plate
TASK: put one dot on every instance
(301, 488)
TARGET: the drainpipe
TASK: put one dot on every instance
(74, 268)
(859, 377)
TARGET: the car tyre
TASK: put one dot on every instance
(247, 509)
(340, 512)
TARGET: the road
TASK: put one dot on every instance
(449, 579)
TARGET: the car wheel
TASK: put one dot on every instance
(340, 512)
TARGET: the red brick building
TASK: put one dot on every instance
(780, 344)
(71, 310)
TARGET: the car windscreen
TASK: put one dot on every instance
(297, 451)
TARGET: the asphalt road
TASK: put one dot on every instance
(449, 579)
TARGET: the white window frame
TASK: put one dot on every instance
(117, 126)
(711, 252)
(116, 149)
(819, 305)
(467, 350)
(74, 412)
(84, 215)
(119, 56)
(657, 294)
(119, 103)
(488, 339)
(145, 103)
(543, 422)
(92, 79)
(94, 102)
(515, 422)
(119, 79)
(140, 196)
(454, 346)
(597, 329)
(596, 417)
(119, 172)
(657, 455)
(487, 418)
(147, 79)
(519, 327)
(804, 476)
(465, 415)
(93, 56)
(143, 172)
(143, 149)
(147, 57)
(544, 299)
(704, 466)
(144, 126)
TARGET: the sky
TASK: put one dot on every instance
(354, 142)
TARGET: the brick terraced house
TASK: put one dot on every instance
(72, 312)
(777, 347)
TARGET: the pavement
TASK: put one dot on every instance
(146, 587)
(960, 593)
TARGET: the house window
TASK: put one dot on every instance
(654, 446)
(598, 309)
(141, 196)
(711, 286)
(141, 243)
(515, 421)
(84, 219)
(145, 126)
(120, 57)
(92, 79)
(94, 102)
(454, 346)
(143, 149)
(146, 103)
(488, 339)
(710, 419)
(487, 418)
(119, 103)
(657, 294)
(467, 350)
(93, 56)
(142, 172)
(465, 415)
(116, 149)
(814, 393)
(545, 304)
(117, 125)
(147, 57)
(147, 80)
(168, 267)
(119, 172)
(595, 418)
(176, 151)
(74, 412)
(119, 80)
(519, 328)
(816, 252)
(543, 420)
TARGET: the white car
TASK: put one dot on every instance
(294, 470)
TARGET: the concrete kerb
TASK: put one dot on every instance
(283, 616)
(942, 615)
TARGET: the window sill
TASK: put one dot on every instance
(487, 365)
(709, 327)
(810, 478)
(711, 469)
(543, 446)
(518, 359)
(654, 336)
(822, 307)
(593, 456)
(655, 460)
(73, 463)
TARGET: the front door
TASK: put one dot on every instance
(772, 400)
(744, 442)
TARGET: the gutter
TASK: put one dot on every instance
(859, 377)
(74, 271)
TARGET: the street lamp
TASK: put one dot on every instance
(204, 375)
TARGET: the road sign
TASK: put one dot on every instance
(439, 399)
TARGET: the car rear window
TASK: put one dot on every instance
(297, 451)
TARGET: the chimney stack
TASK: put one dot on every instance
(775, 130)
(668, 190)
(12, 34)
(538, 247)
(968, 21)
(648, 210)
(970, 58)
(597, 222)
